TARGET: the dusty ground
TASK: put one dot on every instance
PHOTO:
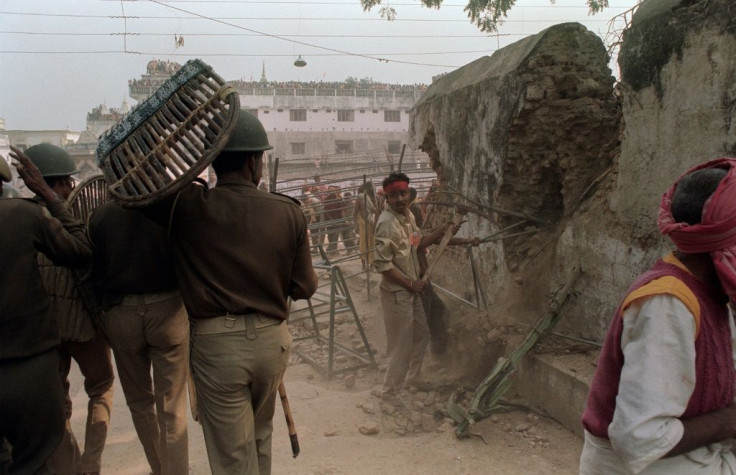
(330, 416)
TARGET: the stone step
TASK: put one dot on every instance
(557, 384)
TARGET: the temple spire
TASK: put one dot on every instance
(263, 73)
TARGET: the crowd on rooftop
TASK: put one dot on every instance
(348, 84)
(158, 66)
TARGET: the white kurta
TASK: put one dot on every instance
(657, 379)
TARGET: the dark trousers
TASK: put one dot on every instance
(333, 237)
(151, 332)
(348, 237)
(31, 410)
(435, 309)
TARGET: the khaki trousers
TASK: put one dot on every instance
(407, 335)
(238, 363)
(151, 331)
(95, 363)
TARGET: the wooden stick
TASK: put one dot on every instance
(289, 420)
(401, 157)
(457, 219)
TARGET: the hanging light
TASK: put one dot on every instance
(300, 63)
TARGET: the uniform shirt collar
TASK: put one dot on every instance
(237, 180)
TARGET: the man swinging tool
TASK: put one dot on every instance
(434, 307)
(398, 242)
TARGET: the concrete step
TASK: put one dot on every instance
(557, 384)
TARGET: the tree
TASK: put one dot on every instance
(485, 14)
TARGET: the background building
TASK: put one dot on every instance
(319, 128)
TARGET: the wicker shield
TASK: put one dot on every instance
(87, 196)
(170, 138)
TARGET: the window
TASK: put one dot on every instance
(394, 146)
(345, 115)
(254, 112)
(392, 116)
(298, 148)
(298, 115)
(344, 146)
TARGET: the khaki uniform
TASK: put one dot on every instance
(146, 324)
(80, 342)
(240, 254)
(407, 333)
(31, 393)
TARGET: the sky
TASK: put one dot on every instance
(61, 59)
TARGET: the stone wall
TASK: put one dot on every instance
(678, 63)
(538, 128)
(528, 130)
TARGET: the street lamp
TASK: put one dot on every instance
(300, 63)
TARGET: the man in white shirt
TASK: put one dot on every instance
(662, 397)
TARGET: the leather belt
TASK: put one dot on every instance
(133, 300)
(232, 323)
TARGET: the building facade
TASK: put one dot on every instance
(317, 127)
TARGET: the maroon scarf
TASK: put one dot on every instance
(716, 234)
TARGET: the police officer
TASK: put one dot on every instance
(31, 393)
(146, 324)
(240, 254)
(79, 339)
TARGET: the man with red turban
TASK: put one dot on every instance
(662, 398)
(398, 241)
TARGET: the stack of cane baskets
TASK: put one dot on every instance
(88, 196)
(170, 138)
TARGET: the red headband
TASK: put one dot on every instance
(396, 186)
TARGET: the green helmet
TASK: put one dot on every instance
(51, 160)
(248, 135)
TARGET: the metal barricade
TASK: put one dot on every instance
(323, 308)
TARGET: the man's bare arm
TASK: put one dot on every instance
(706, 429)
(414, 286)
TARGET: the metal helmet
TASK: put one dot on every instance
(248, 135)
(9, 191)
(51, 160)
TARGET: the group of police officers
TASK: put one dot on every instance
(197, 283)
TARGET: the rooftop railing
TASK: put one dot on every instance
(317, 92)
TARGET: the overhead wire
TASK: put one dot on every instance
(381, 57)
(203, 17)
(303, 43)
(353, 3)
(66, 33)
(247, 55)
